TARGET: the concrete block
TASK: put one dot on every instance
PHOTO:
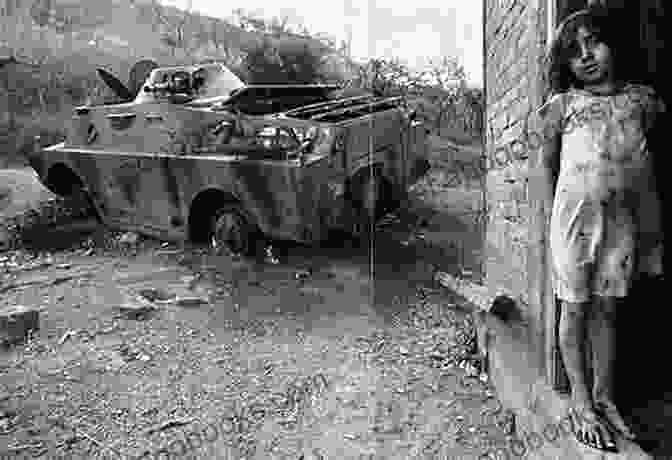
(16, 322)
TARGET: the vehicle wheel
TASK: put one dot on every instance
(370, 196)
(375, 197)
(80, 202)
(232, 229)
(366, 197)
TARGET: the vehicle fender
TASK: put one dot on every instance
(37, 162)
(54, 173)
(203, 202)
(227, 195)
(37, 158)
(362, 171)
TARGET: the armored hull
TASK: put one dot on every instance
(197, 154)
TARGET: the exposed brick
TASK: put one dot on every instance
(505, 100)
(502, 34)
(515, 46)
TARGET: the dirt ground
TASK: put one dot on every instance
(150, 350)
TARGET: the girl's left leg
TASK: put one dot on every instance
(616, 261)
(602, 333)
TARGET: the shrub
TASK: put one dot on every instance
(268, 63)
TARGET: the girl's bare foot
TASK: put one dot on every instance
(609, 411)
(591, 430)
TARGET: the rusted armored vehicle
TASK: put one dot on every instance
(192, 152)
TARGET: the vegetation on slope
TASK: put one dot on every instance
(59, 44)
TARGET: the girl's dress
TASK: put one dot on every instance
(606, 219)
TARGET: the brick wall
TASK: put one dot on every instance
(515, 41)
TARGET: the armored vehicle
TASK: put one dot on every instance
(192, 152)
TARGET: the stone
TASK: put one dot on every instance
(154, 295)
(129, 238)
(191, 301)
(302, 274)
(5, 238)
(140, 309)
(16, 322)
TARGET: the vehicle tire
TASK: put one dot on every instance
(370, 196)
(232, 229)
(374, 196)
(80, 203)
(365, 194)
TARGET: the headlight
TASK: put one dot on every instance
(221, 126)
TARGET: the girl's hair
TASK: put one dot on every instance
(595, 19)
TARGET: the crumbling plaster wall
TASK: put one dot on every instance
(515, 41)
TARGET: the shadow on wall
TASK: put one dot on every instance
(641, 386)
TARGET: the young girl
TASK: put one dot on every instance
(605, 221)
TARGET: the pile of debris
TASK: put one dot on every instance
(51, 213)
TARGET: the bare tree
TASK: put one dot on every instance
(249, 22)
(279, 26)
(217, 34)
(474, 108)
(445, 88)
(386, 77)
(303, 29)
(176, 36)
(277, 62)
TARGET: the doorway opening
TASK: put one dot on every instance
(642, 393)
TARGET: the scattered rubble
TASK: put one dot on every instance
(150, 296)
(43, 281)
(388, 220)
(270, 257)
(137, 309)
(173, 423)
(415, 237)
(507, 422)
(7, 420)
(50, 213)
(303, 274)
(66, 336)
(154, 295)
(430, 339)
(191, 301)
(129, 238)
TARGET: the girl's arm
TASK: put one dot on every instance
(550, 115)
(657, 140)
(650, 209)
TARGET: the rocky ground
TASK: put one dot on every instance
(114, 373)
(334, 352)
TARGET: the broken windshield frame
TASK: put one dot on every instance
(217, 81)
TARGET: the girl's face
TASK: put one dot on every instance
(591, 61)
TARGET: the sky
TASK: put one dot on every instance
(413, 31)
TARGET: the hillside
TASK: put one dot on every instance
(116, 33)
(63, 41)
